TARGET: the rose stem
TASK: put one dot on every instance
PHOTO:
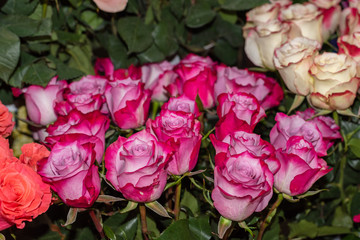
(97, 223)
(269, 216)
(177, 201)
(143, 220)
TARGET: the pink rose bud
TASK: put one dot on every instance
(111, 6)
(136, 166)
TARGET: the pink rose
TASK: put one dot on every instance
(93, 125)
(104, 67)
(40, 101)
(335, 81)
(305, 17)
(128, 103)
(196, 77)
(243, 105)
(294, 125)
(329, 129)
(356, 218)
(23, 195)
(6, 122)
(156, 77)
(182, 131)
(87, 94)
(136, 166)
(293, 60)
(300, 167)
(182, 104)
(128, 75)
(233, 80)
(242, 185)
(111, 6)
(71, 171)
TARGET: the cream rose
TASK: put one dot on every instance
(111, 6)
(350, 45)
(335, 81)
(262, 14)
(261, 41)
(293, 60)
(306, 17)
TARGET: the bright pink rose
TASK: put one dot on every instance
(182, 131)
(288, 126)
(329, 129)
(300, 167)
(196, 77)
(128, 104)
(93, 125)
(156, 77)
(111, 6)
(40, 101)
(23, 195)
(356, 218)
(182, 104)
(104, 67)
(6, 122)
(71, 171)
(127, 75)
(232, 80)
(31, 153)
(242, 185)
(87, 94)
(136, 166)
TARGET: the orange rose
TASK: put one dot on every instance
(6, 123)
(23, 195)
(32, 153)
(6, 154)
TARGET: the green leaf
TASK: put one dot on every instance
(9, 53)
(6, 96)
(115, 220)
(199, 15)
(108, 199)
(331, 230)
(92, 19)
(135, 33)
(225, 52)
(165, 39)
(39, 74)
(18, 76)
(152, 54)
(240, 5)
(298, 100)
(81, 58)
(84, 234)
(24, 7)
(157, 208)
(177, 8)
(354, 145)
(189, 201)
(71, 216)
(341, 218)
(229, 16)
(231, 32)
(200, 227)
(50, 235)
(355, 204)
(20, 25)
(127, 230)
(129, 207)
(109, 232)
(177, 230)
(303, 229)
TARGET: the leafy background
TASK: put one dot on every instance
(41, 39)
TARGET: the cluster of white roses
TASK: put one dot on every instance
(288, 37)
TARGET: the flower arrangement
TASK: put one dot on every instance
(157, 133)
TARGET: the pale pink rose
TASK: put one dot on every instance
(182, 104)
(156, 77)
(197, 77)
(335, 82)
(111, 6)
(327, 126)
(136, 166)
(181, 131)
(263, 39)
(331, 11)
(242, 185)
(354, 4)
(40, 101)
(71, 171)
(293, 60)
(233, 80)
(6, 122)
(306, 17)
(87, 94)
(128, 103)
(300, 167)
(93, 125)
(349, 21)
(288, 126)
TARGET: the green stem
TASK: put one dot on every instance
(341, 178)
(269, 216)
(177, 201)
(144, 229)
(44, 9)
(113, 25)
